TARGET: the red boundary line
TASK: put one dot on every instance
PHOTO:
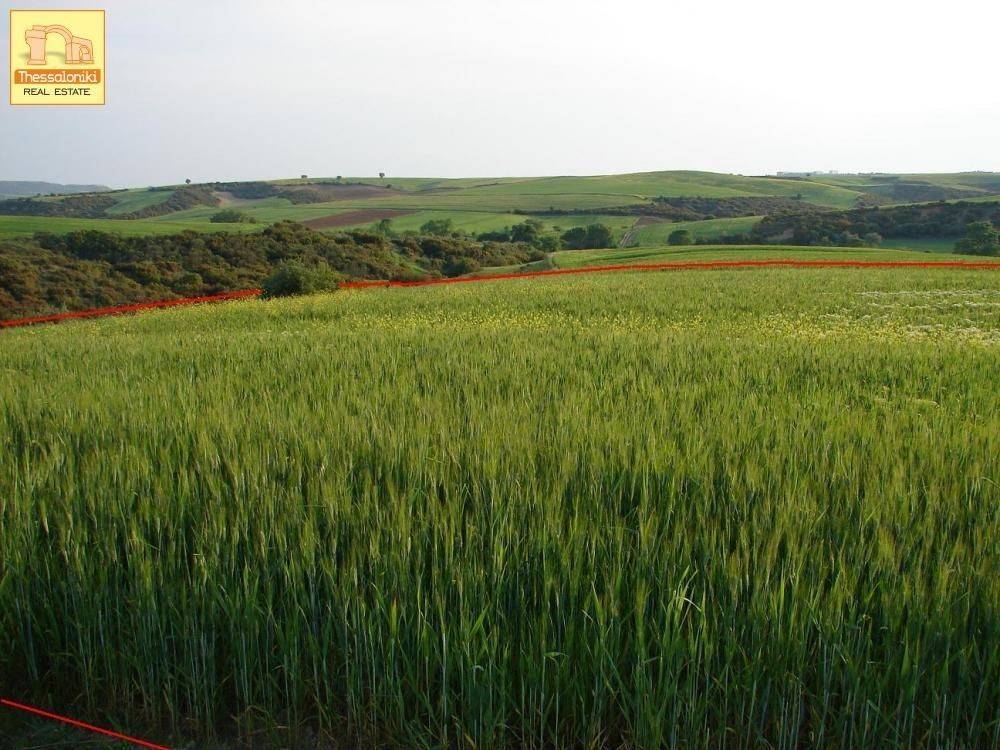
(101, 312)
(81, 725)
(689, 266)
(674, 266)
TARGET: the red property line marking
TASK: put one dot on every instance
(81, 725)
(101, 312)
(690, 266)
(682, 266)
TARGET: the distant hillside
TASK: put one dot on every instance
(16, 188)
(640, 209)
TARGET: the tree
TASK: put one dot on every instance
(549, 243)
(187, 181)
(981, 238)
(381, 175)
(575, 238)
(599, 235)
(590, 237)
(384, 226)
(527, 231)
(437, 227)
(680, 237)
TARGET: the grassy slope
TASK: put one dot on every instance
(134, 200)
(15, 226)
(696, 506)
(928, 244)
(657, 234)
(616, 189)
(651, 184)
(986, 181)
(480, 204)
(479, 196)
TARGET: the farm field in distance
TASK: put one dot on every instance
(629, 510)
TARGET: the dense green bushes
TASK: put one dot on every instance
(95, 206)
(680, 237)
(846, 227)
(293, 277)
(981, 238)
(232, 216)
(439, 227)
(247, 190)
(692, 208)
(531, 231)
(590, 237)
(91, 206)
(88, 268)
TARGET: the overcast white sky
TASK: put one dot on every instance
(238, 90)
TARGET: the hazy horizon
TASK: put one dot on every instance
(389, 178)
(470, 89)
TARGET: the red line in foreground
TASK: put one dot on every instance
(689, 266)
(675, 266)
(101, 312)
(81, 725)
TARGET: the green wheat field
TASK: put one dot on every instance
(692, 509)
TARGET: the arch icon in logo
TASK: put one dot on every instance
(79, 51)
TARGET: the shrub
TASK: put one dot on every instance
(232, 216)
(293, 277)
(459, 266)
(437, 227)
(188, 281)
(981, 238)
(680, 237)
(527, 231)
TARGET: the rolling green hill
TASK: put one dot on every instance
(627, 203)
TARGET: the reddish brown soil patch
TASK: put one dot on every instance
(350, 218)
